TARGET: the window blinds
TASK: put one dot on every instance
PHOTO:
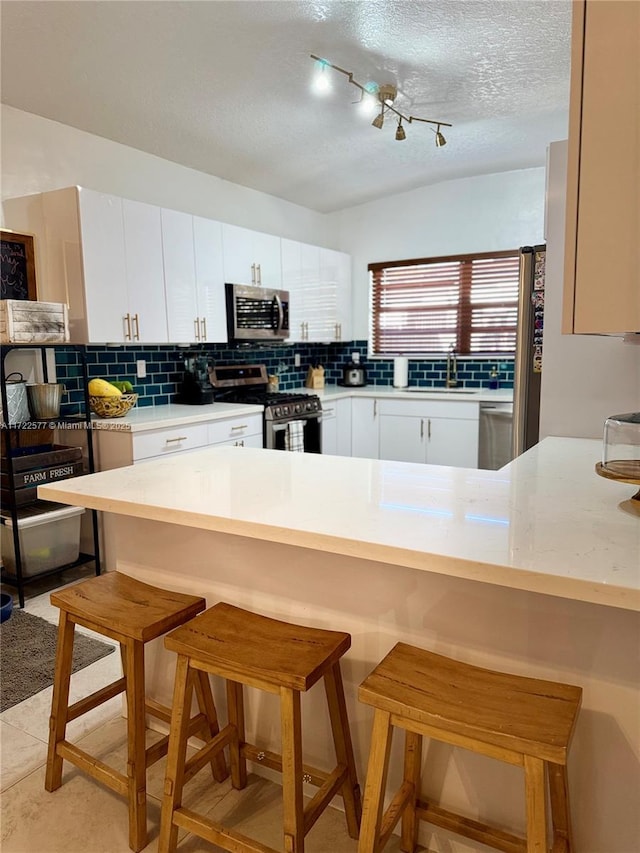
(426, 306)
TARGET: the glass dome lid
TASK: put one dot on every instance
(621, 449)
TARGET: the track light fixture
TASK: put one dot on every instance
(385, 95)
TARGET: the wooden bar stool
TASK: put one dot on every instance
(523, 721)
(132, 613)
(281, 658)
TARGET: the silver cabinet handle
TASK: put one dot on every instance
(204, 328)
(421, 428)
(137, 327)
(429, 429)
(195, 323)
(306, 330)
(242, 426)
(302, 331)
(127, 332)
(259, 268)
(178, 438)
(253, 274)
(375, 408)
(239, 443)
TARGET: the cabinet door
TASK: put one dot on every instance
(364, 427)
(403, 439)
(602, 250)
(104, 266)
(329, 430)
(207, 239)
(291, 259)
(145, 271)
(452, 442)
(266, 254)
(343, 427)
(238, 254)
(180, 276)
(315, 304)
(344, 310)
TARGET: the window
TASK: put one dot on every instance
(426, 306)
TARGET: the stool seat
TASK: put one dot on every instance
(132, 613)
(245, 648)
(523, 721)
(126, 606)
(523, 714)
(259, 648)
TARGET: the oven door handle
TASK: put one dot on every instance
(282, 427)
(280, 310)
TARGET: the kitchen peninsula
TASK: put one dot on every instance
(533, 569)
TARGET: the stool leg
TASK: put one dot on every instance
(374, 790)
(535, 793)
(137, 759)
(174, 776)
(344, 748)
(290, 720)
(412, 768)
(235, 705)
(560, 813)
(212, 728)
(60, 701)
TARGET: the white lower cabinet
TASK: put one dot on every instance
(438, 433)
(336, 427)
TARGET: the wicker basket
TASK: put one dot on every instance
(112, 407)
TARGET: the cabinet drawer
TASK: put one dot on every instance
(465, 410)
(235, 428)
(166, 441)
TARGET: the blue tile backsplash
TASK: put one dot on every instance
(164, 368)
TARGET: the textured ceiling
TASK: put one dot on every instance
(225, 87)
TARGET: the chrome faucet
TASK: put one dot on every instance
(452, 368)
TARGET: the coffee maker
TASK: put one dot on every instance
(195, 389)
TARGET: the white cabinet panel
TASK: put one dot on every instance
(403, 439)
(291, 260)
(180, 276)
(251, 257)
(452, 442)
(343, 422)
(233, 429)
(364, 427)
(209, 271)
(104, 266)
(145, 272)
(165, 442)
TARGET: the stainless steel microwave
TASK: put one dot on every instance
(256, 314)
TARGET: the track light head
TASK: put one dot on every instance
(378, 120)
(400, 133)
(440, 140)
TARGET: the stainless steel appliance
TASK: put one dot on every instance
(284, 412)
(354, 374)
(195, 388)
(528, 361)
(494, 449)
(256, 314)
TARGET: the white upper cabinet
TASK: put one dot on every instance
(319, 281)
(602, 245)
(211, 315)
(251, 257)
(180, 276)
(101, 263)
(147, 312)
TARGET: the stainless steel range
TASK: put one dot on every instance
(291, 421)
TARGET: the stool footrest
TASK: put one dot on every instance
(323, 796)
(394, 813)
(99, 697)
(206, 753)
(215, 833)
(273, 760)
(93, 767)
(469, 828)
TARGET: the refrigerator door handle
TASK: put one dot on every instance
(524, 343)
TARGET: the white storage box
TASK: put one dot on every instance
(47, 541)
(24, 321)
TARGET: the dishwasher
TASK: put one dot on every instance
(496, 421)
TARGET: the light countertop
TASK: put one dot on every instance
(545, 523)
(144, 418)
(472, 395)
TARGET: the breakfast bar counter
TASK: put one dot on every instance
(533, 569)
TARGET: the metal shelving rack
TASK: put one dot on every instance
(15, 513)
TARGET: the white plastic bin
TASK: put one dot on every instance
(47, 541)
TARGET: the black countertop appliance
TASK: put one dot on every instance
(196, 389)
(354, 374)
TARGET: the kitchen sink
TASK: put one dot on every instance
(421, 390)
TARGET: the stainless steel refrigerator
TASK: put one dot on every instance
(528, 359)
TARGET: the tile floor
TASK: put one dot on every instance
(85, 817)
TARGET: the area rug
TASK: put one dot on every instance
(27, 656)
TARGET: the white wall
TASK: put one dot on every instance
(482, 214)
(585, 378)
(40, 155)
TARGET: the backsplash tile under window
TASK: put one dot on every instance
(164, 365)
